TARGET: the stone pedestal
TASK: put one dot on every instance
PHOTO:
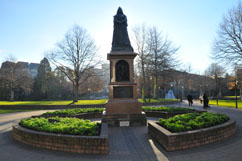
(123, 107)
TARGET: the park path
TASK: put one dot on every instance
(126, 144)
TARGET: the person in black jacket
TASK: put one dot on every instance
(189, 98)
(205, 101)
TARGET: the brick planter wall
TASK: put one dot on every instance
(67, 143)
(185, 140)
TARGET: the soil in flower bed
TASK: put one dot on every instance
(166, 109)
(75, 111)
(192, 121)
(72, 126)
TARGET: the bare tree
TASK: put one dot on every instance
(140, 39)
(75, 56)
(14, 76)
(161, 55)
(227, 47)
(216, 72)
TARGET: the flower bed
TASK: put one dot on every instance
(192, 121)
(181, 134)
(73, 126)
(75, 111)
(166, 112)
(96, 144)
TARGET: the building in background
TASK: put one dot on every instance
(31, 68)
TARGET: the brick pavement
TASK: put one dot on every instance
(126, 144)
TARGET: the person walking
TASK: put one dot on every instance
(189, 98)
(205, 102)
(201, 98)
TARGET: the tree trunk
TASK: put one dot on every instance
(240, 93)
(144, 82)
(11, 95)
(155, 88)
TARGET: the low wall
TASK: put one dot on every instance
(185, 140)
(67, 143)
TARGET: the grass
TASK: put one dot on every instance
(232, 97)
(152, 100)
(73, 126)
(35, 102)
(12, 111)
(80, 102)
(192, 121)
(226, 103)
(92, 102)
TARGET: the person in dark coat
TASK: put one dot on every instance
(189, 98)
(205, 101)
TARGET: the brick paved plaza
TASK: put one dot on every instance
(126, 144)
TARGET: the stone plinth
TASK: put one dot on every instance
(115, 120)
(123, 107)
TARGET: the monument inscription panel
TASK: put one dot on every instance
(123, 92)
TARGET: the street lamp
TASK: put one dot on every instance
(236, 99)
(89, 90)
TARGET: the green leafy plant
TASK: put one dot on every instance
(192, 121)
(166, 109)
(75, 111)
(73, 126)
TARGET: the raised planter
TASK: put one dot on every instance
(166, 115)
(185, 140)
(61, 142)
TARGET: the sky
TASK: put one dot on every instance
(30, 28)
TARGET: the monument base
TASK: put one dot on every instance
(117, 120)
(125, 106)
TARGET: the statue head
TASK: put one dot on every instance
(120, 11)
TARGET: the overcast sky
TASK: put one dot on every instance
(30, 28)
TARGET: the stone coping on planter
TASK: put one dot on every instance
(63, 142)
(189, 139)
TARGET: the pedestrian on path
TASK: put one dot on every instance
(190, 100)
(205, 102)
(201, 98)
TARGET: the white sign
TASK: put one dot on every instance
(124, 123)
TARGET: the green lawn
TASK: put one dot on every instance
(232, 97)
(12, 111)
(226, 103)
(158, 100)
(90, 102)
(80, 102)
(35, 103)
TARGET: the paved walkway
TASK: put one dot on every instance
(126, 144)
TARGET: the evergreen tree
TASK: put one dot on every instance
(42, 81)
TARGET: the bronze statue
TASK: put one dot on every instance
(120, 34)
